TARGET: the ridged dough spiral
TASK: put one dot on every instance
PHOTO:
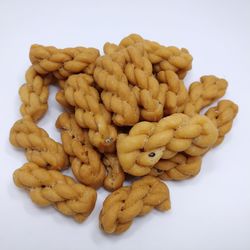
(123, 205)
(146, 143)
(50, 187)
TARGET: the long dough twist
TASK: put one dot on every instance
(34, 94)
(179, 167)
(162, 57)
(151, 94)
(204, 93)
(148, 142)
(117, 95)
(176, 94)
(115, 175)
(90, 112)
(40, 148)
(85, 163)
(63, 62)
(50, 187)
(222, 116)
(123, 205)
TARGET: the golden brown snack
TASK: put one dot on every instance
(179, 167)
(85, 162)
(63, 62)
(90, 112)
(222, 116)
(117, 96)
(148, 142)
(204, 93)
(123, 205)
(176, 94)
(162, 57)
(115, 175)
(50, 187)
(34, 94)
(139, 72)
(40, 148)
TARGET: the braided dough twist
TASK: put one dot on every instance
(222, 116)
(85, 162)
(151, 94)
(63, 62)
(204, 93)
(148, 142)
(162, 57)
(116, 95)
(34, 94)
(50, 187)
(40, 148)
(89, 112)
(123, 205)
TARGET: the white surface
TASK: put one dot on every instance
(211, 211)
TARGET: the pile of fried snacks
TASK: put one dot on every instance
(126, 113)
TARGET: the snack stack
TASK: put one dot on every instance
(127, 113)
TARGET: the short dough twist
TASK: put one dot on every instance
(116, 95)
(204, 93)
(40, 148)
(151, 94)
(85, 161)
(123, 205)
(50, 187)
(63, 62)
(34, 94)
(148, 142)
(90, 112)
(163, 57)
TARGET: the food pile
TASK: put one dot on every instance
(127, 113)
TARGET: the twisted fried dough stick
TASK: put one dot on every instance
(85, 162)
(115, 175)
(50, 187)
(34, 94)
(63, 62)
(176, 95)
(138, 70)
(123, 205)
(40, 148)
(222, 116)
(117, 96)
(90, 112)
(148, 142)
(162, 57)
(204, 93)
(179, 167)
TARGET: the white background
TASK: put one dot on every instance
(210, 211)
